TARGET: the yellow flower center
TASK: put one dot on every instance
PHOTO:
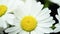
(28, 23)
(3, 10)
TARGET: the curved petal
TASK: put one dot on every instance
(58, 11)
(57, 25)
(43, 17)
(46, 24)
(9, 18)
(23, 32)
(58, 17)
(30, 7)
(45, 11)
(38, 30)
(57, 29)
(47, 30)
(11, 29)
(14, 32)
(50, 19)
(3, 23)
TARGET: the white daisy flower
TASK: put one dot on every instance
(31, 19)
(58, 17)
(5, 7)
(56, 1)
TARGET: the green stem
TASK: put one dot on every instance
(47, 3)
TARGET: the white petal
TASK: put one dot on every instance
(14, 4)
(9, 18)
(58, 11)
(19, 13)
(44, 14)
(43, 17)
(46, 20)
(3, 23)
(58, 17)
(42, 30)
(40, 5)
(30, 7)
(57, 25)
(57, 29)
(36, 8)
(47, 30)
(45, 24)
(11, 29)
(38, 30)
(23, 32)
(17, 22)
(14, 32)
(45, 11)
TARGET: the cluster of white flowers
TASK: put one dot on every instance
(26, 17)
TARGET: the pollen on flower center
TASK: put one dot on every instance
(28, 23)
(3, 10)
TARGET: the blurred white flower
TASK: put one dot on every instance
(30, 18)
(56, 1)
(7, 6)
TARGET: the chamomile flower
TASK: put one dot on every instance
(30, 18)
(56, 1)
(5, 7)
(58, 17)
